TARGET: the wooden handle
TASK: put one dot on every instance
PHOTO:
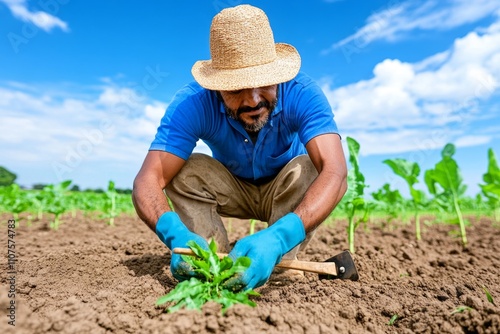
(325, 268)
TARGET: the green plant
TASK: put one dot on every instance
(15, 200)
(461, 309)
(353, 199)
(195, 292)
(447, 175)
(410, 171)
(109, 207)
(491, 188)
(393, 319)
(488, 295)
(390, 201)
(56, 201)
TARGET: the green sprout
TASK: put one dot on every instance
(392, 320)
(192, 294)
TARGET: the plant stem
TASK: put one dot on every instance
(56, 222)
(460, 220)
(252, 226)
(417, 225)
(350, 234)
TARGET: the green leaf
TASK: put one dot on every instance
(226, 263)
(448, 151)
(488, 295)
(213, 246)
(409, 171)
(194, 293)
(198, 250)
(461, 309)
(492, 179)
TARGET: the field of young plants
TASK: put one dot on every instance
(82, 262)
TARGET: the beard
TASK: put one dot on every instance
(258, 121)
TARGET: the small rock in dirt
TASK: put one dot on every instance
(442, 297)
(348, 312)
(324, 329)
(327, 239)
(356, 293)
(58, 326)
(275, 318)
(474, 302)
(460, 291)
(212, 324)
(409, 253)
(313, 329)
(389, 307)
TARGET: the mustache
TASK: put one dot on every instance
(261, 104)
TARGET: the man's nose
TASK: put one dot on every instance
(251, 97)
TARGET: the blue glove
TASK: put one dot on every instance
(173, 233)
(265, 248)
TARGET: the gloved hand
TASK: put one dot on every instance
(265, 248)
(173, 233)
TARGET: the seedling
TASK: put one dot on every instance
(488, 295)
(491, 188)
(447, 175)
(392, 320)
(461, 309)
(194, 293)
(410, 171)
(353, 199)
(391, 201)
(109, 208)
(56, 201)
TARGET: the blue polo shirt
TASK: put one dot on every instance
(302, 113)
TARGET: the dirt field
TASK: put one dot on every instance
(90, 278)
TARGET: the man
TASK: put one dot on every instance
(277, 155)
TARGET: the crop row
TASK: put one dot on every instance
(447, 201)
(444, 198)
(57, 200)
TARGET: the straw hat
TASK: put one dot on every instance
(244, 54)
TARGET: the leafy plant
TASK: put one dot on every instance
(353, 199)
(446, 174)
(491, 188)
(15, 200)
(195, 292)
(56, 201)
(410, 171)
(109, 207)
(391, 201)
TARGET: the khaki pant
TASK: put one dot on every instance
(204, 191)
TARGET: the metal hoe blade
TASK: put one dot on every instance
(346, 269)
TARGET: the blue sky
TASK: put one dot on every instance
(83, 84)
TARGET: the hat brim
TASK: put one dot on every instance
(284, 68)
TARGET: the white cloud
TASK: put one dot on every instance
(397, 19)
(405, 106)
(472, 140)
(104, 131)
(41, 19)
(62, 135)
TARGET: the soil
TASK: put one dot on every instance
(88, 277)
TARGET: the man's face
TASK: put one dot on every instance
(252, 106)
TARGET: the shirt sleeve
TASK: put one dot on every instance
(179, 129)
(312, 112)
